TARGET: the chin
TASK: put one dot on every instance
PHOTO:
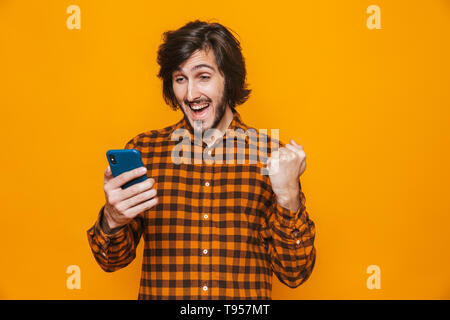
(206, 123)
(206, 126)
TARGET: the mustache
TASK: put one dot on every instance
(197, 101)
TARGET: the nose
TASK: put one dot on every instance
(192, 92)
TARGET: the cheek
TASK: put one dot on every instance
(214, 90)
(178, 91)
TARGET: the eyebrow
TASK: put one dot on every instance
(203, 65)
(199, 66)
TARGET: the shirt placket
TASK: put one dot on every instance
(206, 189)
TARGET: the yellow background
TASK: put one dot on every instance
(370, 107)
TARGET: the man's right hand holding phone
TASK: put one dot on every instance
(123, 205)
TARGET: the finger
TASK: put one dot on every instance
(139, 198)
(295, 144)
(125, 177)
(137, 188)
(108, 175)
(281, 154)
(299, 153)
(273, 163)
(134, 211)
(275, 156)
(303, 166)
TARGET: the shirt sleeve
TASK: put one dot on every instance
(115, 248)
(289, 237)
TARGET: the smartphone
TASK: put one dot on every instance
(124, 160)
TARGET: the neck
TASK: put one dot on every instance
(212, 136)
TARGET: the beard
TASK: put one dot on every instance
(220, 112)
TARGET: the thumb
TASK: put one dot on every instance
(273, 163)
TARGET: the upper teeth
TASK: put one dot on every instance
(201, 106)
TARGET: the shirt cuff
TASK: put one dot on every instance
(287, 218)
(103, 224)
(100, 241)
(288, 222)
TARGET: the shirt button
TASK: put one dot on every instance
(205, 216)
(205, 288)
(207, 184)
(205, 251)
(298, 241)
(209, 152)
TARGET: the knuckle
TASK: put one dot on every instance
(150, 203)
(149, 194)
(110, 199)
(142, 196)
(125, 177)
(120, 180)
(137, 198)
(137, 188)
(134, 189)
(146, 185)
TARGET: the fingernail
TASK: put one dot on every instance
(143, 170)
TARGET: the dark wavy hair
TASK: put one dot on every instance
(180, 44)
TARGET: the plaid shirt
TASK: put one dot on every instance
(217, 231)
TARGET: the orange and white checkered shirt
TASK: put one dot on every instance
(217, 231)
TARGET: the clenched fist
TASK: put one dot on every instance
(122, 205)
(285, 167)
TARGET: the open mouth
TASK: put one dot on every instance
(199, 107)
(199, 110)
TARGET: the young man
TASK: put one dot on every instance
(215, 225)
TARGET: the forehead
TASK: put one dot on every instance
(200, 58)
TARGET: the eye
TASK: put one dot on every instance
(179, 79)
(205, 77)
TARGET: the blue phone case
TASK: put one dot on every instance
(124, 160)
